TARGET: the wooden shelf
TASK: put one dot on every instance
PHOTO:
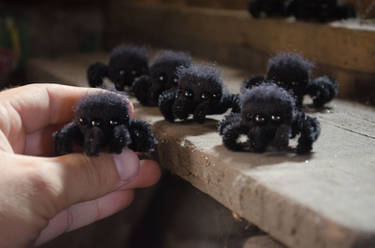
(322, 200)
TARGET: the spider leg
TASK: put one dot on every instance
(93, 140)
(282, 135)
(165, 103)
(231, 135)
(231, 129)
(96, 73)
(64, 138)
(228, 119)
(143, 140)
(309, 128)
(141, 87)
(322, 90)
(259, 139)
(201, 111)
(121, 138)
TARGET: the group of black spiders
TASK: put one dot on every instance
(268, 112)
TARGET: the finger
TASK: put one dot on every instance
(54, 103)
(41, 143)
(85, 213)
(78, 178)
(150, 172)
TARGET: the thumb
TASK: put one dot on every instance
(77, 178)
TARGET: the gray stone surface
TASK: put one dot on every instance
(326, 199)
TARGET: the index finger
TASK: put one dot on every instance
(41, 105)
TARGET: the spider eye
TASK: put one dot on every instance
(294, 83)
(188, 93)
(215, 95)
(82, 121)
(133, 72)
(205, 95)
(122, 72)
(113, 123)
(259, 119)
(162, 78)
(96, 123)
(175, 80)
(276, 118)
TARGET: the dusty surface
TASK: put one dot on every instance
(326, 199)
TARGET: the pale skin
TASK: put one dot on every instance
(43, 196)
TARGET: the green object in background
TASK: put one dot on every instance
(13, 43)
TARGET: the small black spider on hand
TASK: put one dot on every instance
(126, 63)
(268, 118)
(200, 92)
(292, 72)
(163, 76)
(102, 122)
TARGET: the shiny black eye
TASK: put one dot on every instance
(122, 72)
(294, 83)
(275, 118)
(175, 80)
(259, 119)
(188, 93)
(113, 123)
(216, 95)
(205, 95)
(82, 121)
(161, 78)
(96, 123)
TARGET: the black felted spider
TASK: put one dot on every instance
(102, 121)
(200, 92)
(319, 10)
(293, 72)
(268, 118)
(268, 7)
(163, 76)
(126, 63)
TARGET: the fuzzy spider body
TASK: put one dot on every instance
(293, 72)
(320, 10)
(200, 92)
(269, 7)
(268, 118)
(102, 121)
(126, 63)
(163, 76)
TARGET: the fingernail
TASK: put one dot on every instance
(127, 164)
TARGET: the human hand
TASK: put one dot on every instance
(42, 196)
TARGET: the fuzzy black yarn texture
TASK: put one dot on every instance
(268, 118)
(268, 7)
(163, 76)
(126, 63)
(102, 122)
(307, 10)
(200, 92)
(292, 72)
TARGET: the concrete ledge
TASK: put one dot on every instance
(322, 200)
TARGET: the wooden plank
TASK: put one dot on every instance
(325, 199)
